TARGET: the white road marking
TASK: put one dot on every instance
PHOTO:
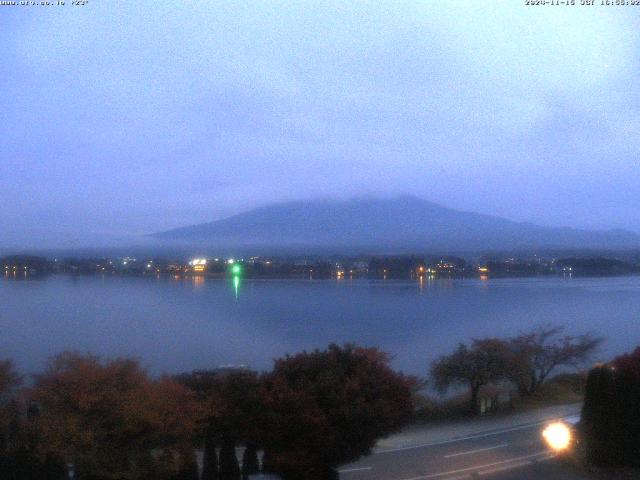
(478, 467)
(478, 450)
(516, 465)
(504, 468)
(360, 469)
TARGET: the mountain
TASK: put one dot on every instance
(400, 224)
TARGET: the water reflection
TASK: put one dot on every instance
(198, 281)
(21, 275)
(236, 285)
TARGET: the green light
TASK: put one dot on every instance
(235, 269)
(236, 285)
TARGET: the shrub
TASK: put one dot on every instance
(105, 416)
(229, 468)
(250, 463)
(610, 416)
(210, 459)
(429, 409)
(329, 407)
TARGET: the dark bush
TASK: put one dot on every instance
(610, 416)
(327, 408)
(189, 468)
(429, 409)
(573, 382)
(267, 464)
(250, 463)
(627, 406)
(210, 460)
(229, 467)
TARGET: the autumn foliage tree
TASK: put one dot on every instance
(108, 417)
(474, 366)
(209, 459)
(235, 409)
(233, 415)
(17, 455)
(536, 354)
(9, 381)
(250, 464)
(326, 408)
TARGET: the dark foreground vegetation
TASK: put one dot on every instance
(611, 413)
(314, 411)
(111, 420)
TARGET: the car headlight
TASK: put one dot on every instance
(558, 436)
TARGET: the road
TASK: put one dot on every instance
(512, 452)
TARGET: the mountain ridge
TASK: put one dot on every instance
(403, 222)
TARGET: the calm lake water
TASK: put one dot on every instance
(177, 325)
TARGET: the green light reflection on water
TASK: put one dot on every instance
(236, 285)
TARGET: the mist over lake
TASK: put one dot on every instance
(177, 325)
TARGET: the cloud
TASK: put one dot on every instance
(120, 108)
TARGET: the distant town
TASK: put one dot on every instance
(337, 267)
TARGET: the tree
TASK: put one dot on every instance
(16, 460)
(484, 362)
(188, 470)
(107, 416)
(9, 380)
(536, 354)
(234, 414)
(329, 407)
(236, 411)
(610, 416)
(229, 467)
(250, 464)
(627, 375)
(597, 415)
(210, 459)
(267, 466)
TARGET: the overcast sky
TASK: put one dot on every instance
(124, 118)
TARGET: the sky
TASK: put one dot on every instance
(126, 118)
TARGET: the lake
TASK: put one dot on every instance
(177, 325)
